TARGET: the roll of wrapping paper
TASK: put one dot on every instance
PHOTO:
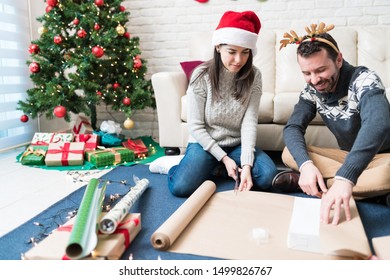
(83, 238)
(170, 230)
(111, 220)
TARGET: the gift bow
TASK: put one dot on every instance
(83, 137)
(134, 146)
(64, 150)
(30, 151)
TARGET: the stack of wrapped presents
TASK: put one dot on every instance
(80, 144)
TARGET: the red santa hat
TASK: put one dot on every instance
(239, 29)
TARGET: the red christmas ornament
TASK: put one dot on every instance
(96, 27)
(76, 21)
(81, 33)
(48, 9)
(99, 3)
(122, 8)
(34, 67)
(115, 85)
(97, 51)
(33, 49)
(126, 35)
(126, 101)
(99, 93)
(24, 118)
(59, 111)
(137, 63)
(57, 39)
(52, 3)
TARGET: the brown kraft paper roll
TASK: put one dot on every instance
(167, 233)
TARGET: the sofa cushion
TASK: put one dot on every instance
(189, 66)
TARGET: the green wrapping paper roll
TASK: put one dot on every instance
(83, 238)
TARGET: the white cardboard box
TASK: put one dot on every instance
(304, 229)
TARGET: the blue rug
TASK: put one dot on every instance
(156, 205)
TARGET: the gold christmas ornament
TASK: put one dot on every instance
(42, 30)
(120, 30)
(128, 123)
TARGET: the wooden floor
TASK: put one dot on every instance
(27, 191)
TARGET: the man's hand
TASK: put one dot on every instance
(309, 180)
(337, 197)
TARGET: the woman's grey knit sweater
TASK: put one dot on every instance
(226, 122)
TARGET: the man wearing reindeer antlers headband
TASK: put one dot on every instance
(352, 103)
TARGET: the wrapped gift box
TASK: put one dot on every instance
(82, 126)
(91, 140)
(45, 138)
(137, 146)
(109, 246)
(64, 154)
(110, 139)
(109, 156)
(34, 155)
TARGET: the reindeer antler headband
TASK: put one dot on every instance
(312, 33)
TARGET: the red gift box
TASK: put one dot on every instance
(91, 140)
(137, 146)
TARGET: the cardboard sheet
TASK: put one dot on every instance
(224, 226)
(382, 247)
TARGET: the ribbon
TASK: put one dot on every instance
(117, 155)
(83, 137)
(30, 151)
(64, 150)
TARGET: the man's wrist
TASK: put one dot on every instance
(339, 178)
(303, 164)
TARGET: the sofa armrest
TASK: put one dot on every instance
(169, 87)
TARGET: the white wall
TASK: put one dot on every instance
(165, 26)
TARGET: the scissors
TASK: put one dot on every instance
(237, 181)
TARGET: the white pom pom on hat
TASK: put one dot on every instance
(239, 29)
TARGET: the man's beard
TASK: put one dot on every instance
(331, 84)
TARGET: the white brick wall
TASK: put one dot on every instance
(165, 26)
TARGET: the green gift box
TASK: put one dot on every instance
(34, 155)
(109, 156)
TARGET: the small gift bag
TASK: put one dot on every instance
(82, 126)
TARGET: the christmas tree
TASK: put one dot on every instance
(85, 56)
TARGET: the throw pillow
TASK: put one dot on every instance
(189, 66)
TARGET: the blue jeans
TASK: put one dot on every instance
(197, 166)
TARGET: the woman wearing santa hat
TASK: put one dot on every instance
(223, 102)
